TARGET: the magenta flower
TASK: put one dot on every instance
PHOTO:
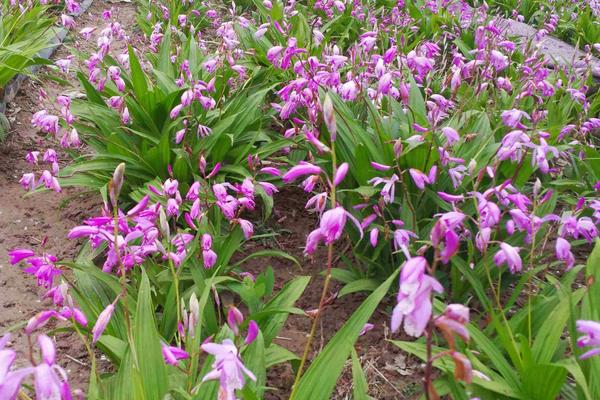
(332, 224)
(228, 368)
(453, 321)
(591, 337)
(253, 330)
(509, 255)
(340, 174)
(388, 190)
(102, 322)
(414, 303)
(173, 354)
(10, 379)
(563, 252)
(17, 255)
(451, 135)
(300, 170)
(420, 179)
(512, 118)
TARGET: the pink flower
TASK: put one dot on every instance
(591, 337)
(509, 255)
(17, 255)
(451, 135)
(453, 321)
(253, 330)
(563, 252)
(67, 21)
(414, 303)
(512, 118)
(300, 170)
(420, 179)
(173, 354)
(10, 378)
(227, 368)
(340, 174)
(102, 322)
(332, 224)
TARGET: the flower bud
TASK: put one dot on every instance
(234, 319)
(340, 174)
(329, 117)
(163, 223)
(116, 183)
(102, 322)
(252, 332)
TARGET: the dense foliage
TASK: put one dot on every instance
(460, 164)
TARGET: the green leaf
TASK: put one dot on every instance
(359, 381)
(543, 381)
(254, 358)
(152, 367)
(320, 379)
(360, 285)
(276, 354)
(269, 253)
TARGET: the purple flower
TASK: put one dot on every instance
(388, 190)
(453, 321)
(414, 302)
(512, 118)
(300, 170)
(340, 174)
(50, 379)
(420, 179)
(173, 354)
(253, 330)
(380, 167)
(102, 322)
(332, 224)
(373, 236)
(234, 319)
(451, 135)
(563, 252)
(175, 111)
(17, 255)
(209, 258)
(509, 255)
(591, 337)
(228, 368)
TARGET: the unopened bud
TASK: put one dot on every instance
(329, 117)
(116, 183)
(164, 223)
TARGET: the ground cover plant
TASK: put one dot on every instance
(450, 167)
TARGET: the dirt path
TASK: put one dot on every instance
(26, 221)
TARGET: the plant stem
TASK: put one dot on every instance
(313, 328)
(178, 300)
